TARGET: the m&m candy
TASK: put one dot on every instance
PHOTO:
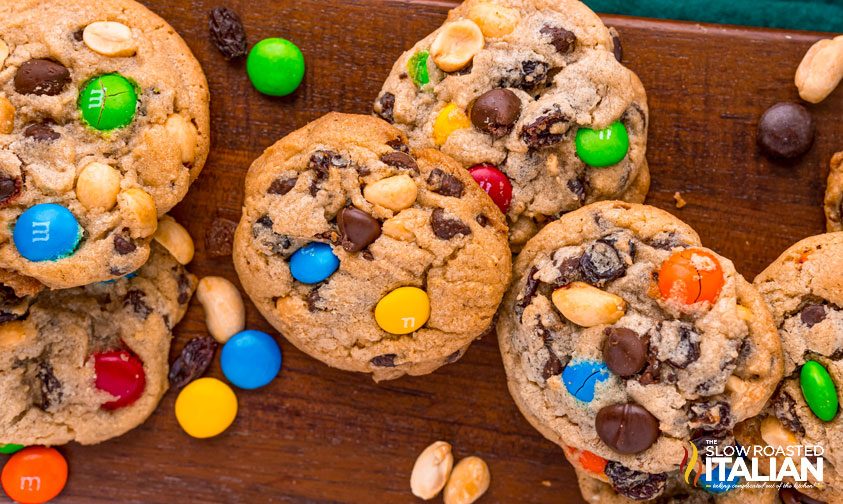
(121, 374)
(8, 449)
(450, 119)
(46, 232)
(275, 66)
(108, 102)
(402, 311)
(819, 390)
(417, 68)
(603, 147)
(313, 263)
(580, 378)
(206, 408)
(34, 475)
(251, 359)
(495, 183)
(691, 276)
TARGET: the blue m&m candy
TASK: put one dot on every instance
(580, 378)
(47, 232)
(313, 263)
(251, 359)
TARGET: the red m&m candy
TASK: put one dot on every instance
(121, 374)
(495, 183)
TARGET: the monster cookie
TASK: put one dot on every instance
(623, 336)
(530, 89)
(103, 126)
(366, 255)
(804, 288)
(90, 363)
(834, 195)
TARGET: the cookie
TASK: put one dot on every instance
(533, 89)
(834, 195)
(103, 126)
(804, 289)
(623, 336)
(366, 255)
(90, 363)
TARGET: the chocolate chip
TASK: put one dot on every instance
(624, 351)
(548, 129)
(711, 414)
(445, 183)
(570, 270)
(617, 48)
(41, 132)
(601, 262)
(313, 299)
(446, 228)
(51, 389)
(385, 360)
(219, 237)
(320, 162)
(812, 314)
(10, 188)
(282, 186)
(227, 32)
(184, 288)
(790, 495)
(123, 243)
(276, 243)
(357, 229)
(135, 299)
(784, 408)
(496, 111)
(399, 145)
(785, 131)
(635, 485)
(79, 35)
(193, 361)
(530, 75)
(400, 160)
(530, 288)
(41, 77)
(482, 220)
(553, 366)
(385, 107)
(627, 428)
(578, 187)
(560, 38)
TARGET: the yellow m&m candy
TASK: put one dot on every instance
(206, 408)
(449, 120)
(402, 311)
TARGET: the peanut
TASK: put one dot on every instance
(588, 306)
(494, 20)
(745, 314)
(16, 332)
(225, 314)
(7, 116)
(175, 238)
(184, 134)
(821, 70)
(4, 52)
(395, 193)
(396, 228)
(141, 211)
(469, 481)
(456, 44)
(97, 186)
(775, 434)
(109, 38)
(431, 470)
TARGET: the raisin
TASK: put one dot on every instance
(41, 132)
(578, 186)
(219, 237)
(227, 32)
(784, 407)
(135, 299)
(548, 129)
(282, 186)
(570, 270)
(445, 184)
(601, 262)
(399, 145)
(446, 228)
(51, 389)
(276, 243)
(560, 38)
(531, 75)
(711, 414)
(688, 349)
(192, 362)
(10, 188)
(123, 243)
(635, 485)
(385, 107)
(313, 299)
(812, 314)
(666, 241)
(385, 360)
(184, 288)
(482, 220)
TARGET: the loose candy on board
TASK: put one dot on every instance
(46, 232)
(9, 449)
(581, 377)
(34, 475)
(206, 408)
(819, 390)
(402, 311)
(313, 263)
(275, 66)
(121, 374)
(495, 183)
(251, 359)
(605, 147)
(108, 102)
(691, 276)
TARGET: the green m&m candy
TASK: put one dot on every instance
(275, 66)
(603, 147)
(108, 102)
(417, 68)
(8, 449)
(819, 390)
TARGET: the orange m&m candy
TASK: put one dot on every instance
(691, 276)
(34, 475)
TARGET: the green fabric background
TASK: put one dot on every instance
(816, 15)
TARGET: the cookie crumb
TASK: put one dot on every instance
(547, 484)
(680, 201)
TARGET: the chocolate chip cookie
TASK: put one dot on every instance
(90, 363)
(623, 336)
(834, 195)
(104, 123)
(369, 256)
(804, 289)
(532, 89)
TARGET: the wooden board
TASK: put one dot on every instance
(319, 435)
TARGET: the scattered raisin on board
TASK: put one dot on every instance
(194, 360)
(227, 32)
(219, 237)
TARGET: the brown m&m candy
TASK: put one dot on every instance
(624, 352)
(358, 229)
(790, 495)
(41, 77)
(496, 111)
(785, 131)
(627, 428)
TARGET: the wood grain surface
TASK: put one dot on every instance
(318, 435)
